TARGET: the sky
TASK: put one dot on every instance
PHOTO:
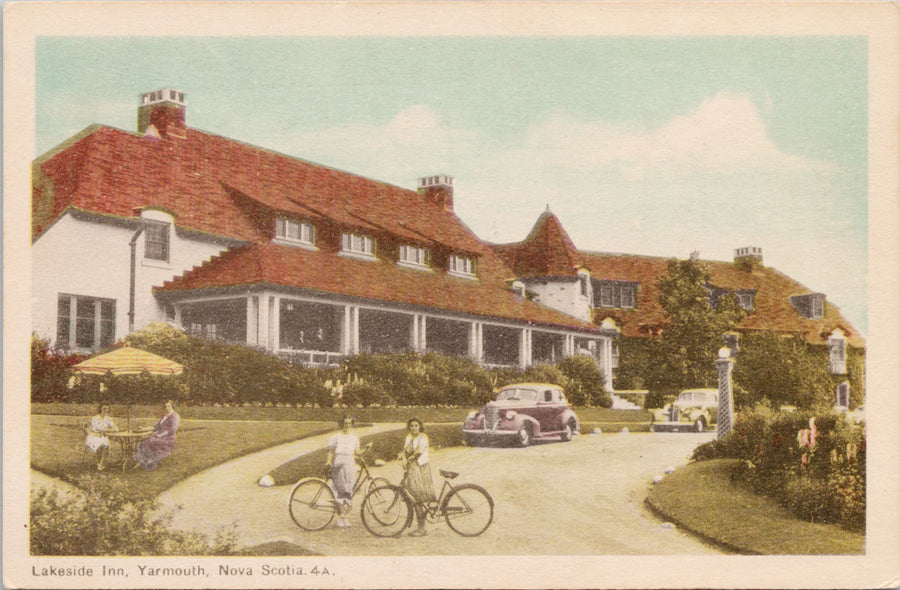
(657, 146)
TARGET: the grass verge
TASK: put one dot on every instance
(701, 498)
(57, 448)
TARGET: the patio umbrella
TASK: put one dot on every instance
(128, 361)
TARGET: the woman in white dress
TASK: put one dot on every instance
(343, 449)
(95, 435)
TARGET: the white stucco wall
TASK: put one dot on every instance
(93, 259)
(564, 296)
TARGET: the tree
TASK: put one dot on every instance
(683, 355)
(783, 370)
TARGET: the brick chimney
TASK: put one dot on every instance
(162, 113)
(438, 190)
(749, 257)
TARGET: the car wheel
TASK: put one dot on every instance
(523, 436)
(469, 440)
(568, 432)
(699, 425)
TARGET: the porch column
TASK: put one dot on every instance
(569, 345)
(275, 325)
(476, 343)
(419, 333)
(252, 320)
(605, 362)
(263, 322)
(525, 348)
(350, 331)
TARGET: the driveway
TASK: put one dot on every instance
(579, 498)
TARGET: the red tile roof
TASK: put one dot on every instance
(547, 251)
(197, 177)
(287, 266)
(772, 307)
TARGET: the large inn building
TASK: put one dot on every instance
(239, 243)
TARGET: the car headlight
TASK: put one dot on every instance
(510, 415)
(472, 415)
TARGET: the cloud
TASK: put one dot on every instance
(723, 134)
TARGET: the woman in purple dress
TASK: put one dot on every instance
(152, 450)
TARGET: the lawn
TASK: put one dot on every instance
(701, 498)
(57, 447)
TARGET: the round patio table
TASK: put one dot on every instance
(128, 441)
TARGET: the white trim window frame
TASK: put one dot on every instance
(627, 297)
(816, 306)
(156, 240)
(357, 245)
(292, 231)
(462, 266)
(85, 323)
(414, 256)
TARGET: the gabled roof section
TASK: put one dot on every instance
(114, 172)
(547, 251)
(278, 265)
(772, 306)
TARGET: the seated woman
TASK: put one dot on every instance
(95, 435)
(152, 450)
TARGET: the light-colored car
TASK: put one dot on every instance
(693, 410)
(522, 413)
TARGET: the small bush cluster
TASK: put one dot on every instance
(109, 517)
(50, 371)
(814, 466)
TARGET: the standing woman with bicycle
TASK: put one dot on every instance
(414, 457)
(343, 449)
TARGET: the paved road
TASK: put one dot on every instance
(579, 498)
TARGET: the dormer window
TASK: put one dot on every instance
(810, 306)
(413, 256)
(156, 240)
(614, 294)
(297, 232)
(518, 288)
(358, 245)
(462, 266)
(746, 299)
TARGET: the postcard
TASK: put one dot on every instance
(451, 295)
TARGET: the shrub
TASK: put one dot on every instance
(50, 371)
(585, 381)
(824, 481)
(109, 517)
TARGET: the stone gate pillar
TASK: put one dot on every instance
(725, 420)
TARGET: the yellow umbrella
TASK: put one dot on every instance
(128, 361)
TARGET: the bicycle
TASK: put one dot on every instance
(468, 509)
(312, 504)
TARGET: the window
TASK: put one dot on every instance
(413, 255)
(746, 299)
(842, 396)
(156, 240)
(614, 294)
(583, 280)
(294, 231)
(837, 355)
(816, 306)
(85, 322)
(358, 244)
(460, 265)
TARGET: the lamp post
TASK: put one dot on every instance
(725, 420)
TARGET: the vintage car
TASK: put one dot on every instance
(522, 413)
(693, 410)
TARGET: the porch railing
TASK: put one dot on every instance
(312, 358)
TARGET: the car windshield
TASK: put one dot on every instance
(692, 396)
(517, 393)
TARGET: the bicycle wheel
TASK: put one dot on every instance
(376, 482)
(468, 510)
(386, 511)
(311, 504)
